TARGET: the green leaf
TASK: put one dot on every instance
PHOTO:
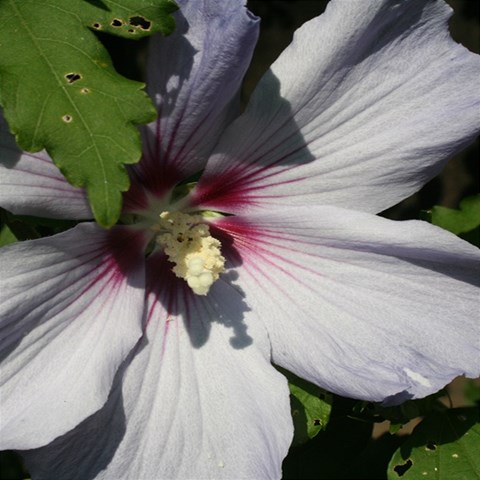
(11, 466)
(336, 452)
(471, 391)
(18, 228)
(398, 415)
(129, 18)
(458, 221)
(24, 227)
(444, 446)
(311, 407)
(60, 91)
(6, 236)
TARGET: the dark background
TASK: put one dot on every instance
(346, 449)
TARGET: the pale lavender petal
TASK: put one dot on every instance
(194, 77)
(30, 184)
(361, 110)
(363, 306)
(71, 309)
(199, 399)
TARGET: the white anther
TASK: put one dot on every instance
(188, 244)
(206, 279)
(193, 282)
(196, 266)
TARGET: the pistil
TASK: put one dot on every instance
(188, 244)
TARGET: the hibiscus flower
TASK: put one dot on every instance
(146, 351)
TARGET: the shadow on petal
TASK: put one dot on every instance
(250, 154)
(224, 303)
(157, 172)
(92, 444)
(10, 152)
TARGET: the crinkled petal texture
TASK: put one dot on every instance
(30, 184)
(359, 304)
(199, 399)
(364, 107)
(194, 77)
(71, 310)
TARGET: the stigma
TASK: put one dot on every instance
(190, 247)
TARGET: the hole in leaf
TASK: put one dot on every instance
(431, 445)
(116, 22)
(131, 30)
(97, 25)
(141, 22)
(72, 77)
(317, 422)
(67, 118)
(400, 470)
